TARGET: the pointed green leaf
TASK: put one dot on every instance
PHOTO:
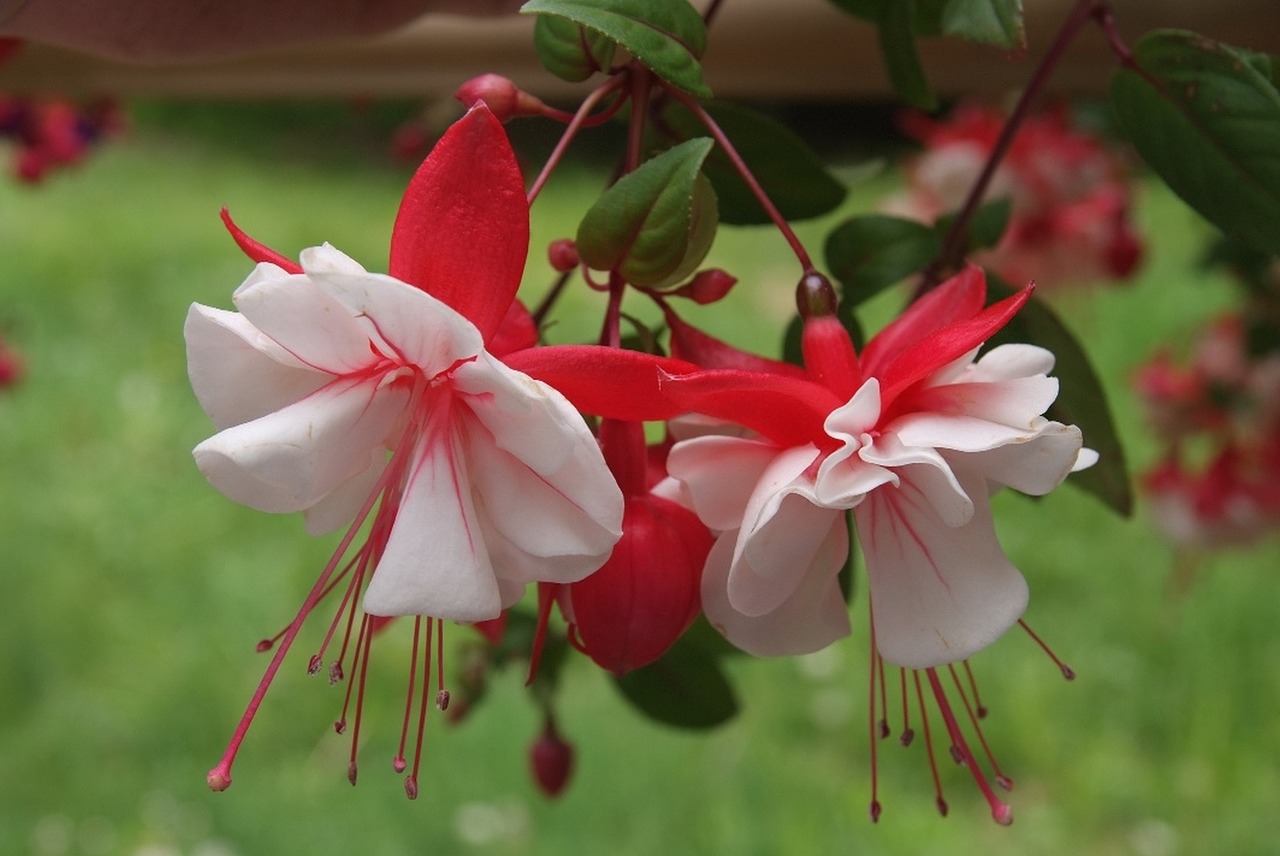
(570, 51)
(685, 688)
(1207, 121)
(871, 252)
(655, 224)
(667, 36)
(1081, 400)
(989, 22)
(792, 176)
(898, 44)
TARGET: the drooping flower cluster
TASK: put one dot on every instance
(1069, 196)
(416, 410)
(1218, 418)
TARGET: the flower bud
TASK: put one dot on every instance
(503, 98)
(551, 761)
(563, 255)
(707, 286)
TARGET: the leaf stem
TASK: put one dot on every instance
(802, 255)
(576, 124)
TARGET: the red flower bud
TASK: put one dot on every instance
(563, 255)
(707, 286)
(551, 761)
(503, 98)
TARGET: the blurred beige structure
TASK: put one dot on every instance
(794, 49)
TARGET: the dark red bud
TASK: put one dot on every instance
(563, 255)
(814, 296)
(551, 761)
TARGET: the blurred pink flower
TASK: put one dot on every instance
(1069, 194)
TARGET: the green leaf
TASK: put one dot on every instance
(989, 22)
(898, 44)
(667, 36)
(1208, 122)
(792, 176)
(1081, 400)
(655, 225)
(871, 252)
(685, 688)
(569, 51)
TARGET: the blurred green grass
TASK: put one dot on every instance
(133, 593)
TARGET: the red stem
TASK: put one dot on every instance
(953, 245)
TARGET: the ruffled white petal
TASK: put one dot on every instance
(556, 517)
(938, 593)
(294, 311)
(720, 474)
(402, 321)
(1034, 465)
(436, 562)
(292, 458)
(812, 617)
(782, 532)
(237, 372)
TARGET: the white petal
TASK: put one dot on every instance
(341, 505)
(930, 472)
(782, 531)
(1016, 403)
(1013, 361)
(526, 417)
(236, 372)
(402, 320)
(290, 459)
(556, 518)
(720, 474)
(813, 616)
(938, 593)
(297, 313)
(1035, 465)
(436, 562)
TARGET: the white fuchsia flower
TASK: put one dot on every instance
(912, 436)
(349, 395)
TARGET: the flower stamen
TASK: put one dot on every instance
(1067, 672)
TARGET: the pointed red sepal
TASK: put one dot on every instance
(626, 455)
(829, 355)
(690, 343)
(955, 300)
(254, 250)
(608, 382)
(462, 232)
(942, 346)
(546, 599)
(516, 332)
(789, 411)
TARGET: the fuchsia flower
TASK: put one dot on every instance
(343, 394)
(1069, 195)
(913, 436)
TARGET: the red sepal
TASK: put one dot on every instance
(254, 250)
(608, 382)
(462, 232)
